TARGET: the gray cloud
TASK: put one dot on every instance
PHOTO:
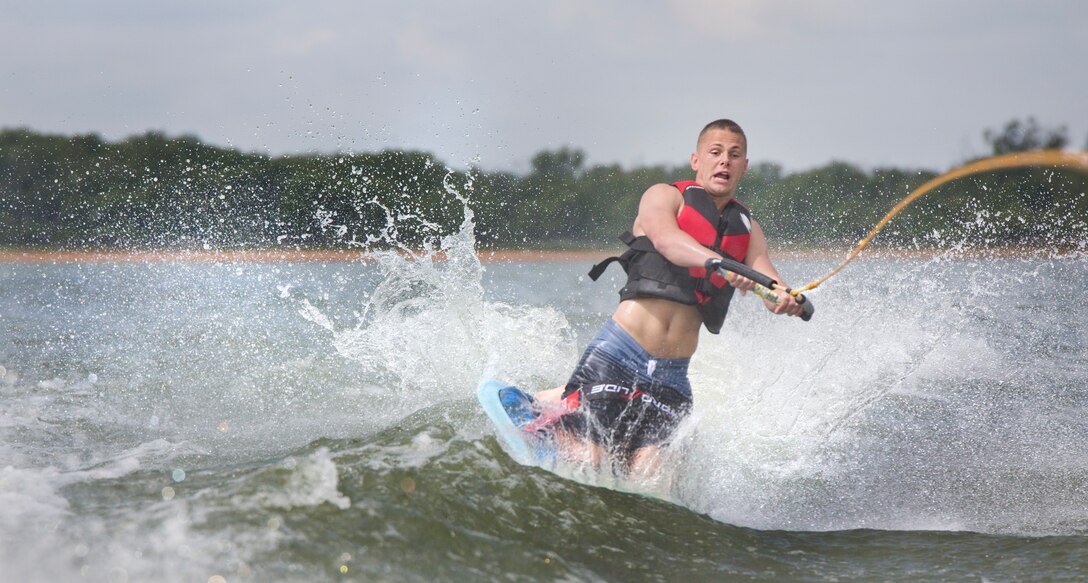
(904, 84)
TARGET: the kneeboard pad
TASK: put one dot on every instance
(514, 412)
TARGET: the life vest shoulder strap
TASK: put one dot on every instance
(634, 244)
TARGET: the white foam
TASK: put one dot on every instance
(782, 402)
(311, 481)
(32, 513)
(428, 325)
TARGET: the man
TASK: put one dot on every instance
(630, 389)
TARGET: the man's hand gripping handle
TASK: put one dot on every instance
(765, 286)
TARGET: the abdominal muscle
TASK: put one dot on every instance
(664, 328)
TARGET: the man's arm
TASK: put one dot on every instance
(759, 260)
(657, 212)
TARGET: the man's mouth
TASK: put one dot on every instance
(723, 176)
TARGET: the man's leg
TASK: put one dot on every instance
(645, 462)
(549, 397)
(578, 449)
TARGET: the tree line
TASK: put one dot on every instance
(152, 191)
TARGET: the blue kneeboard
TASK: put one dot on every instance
(513, 412)
(515, 415)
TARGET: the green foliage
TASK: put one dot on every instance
(1025, 136)
(154, 191)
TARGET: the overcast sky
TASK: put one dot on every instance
(491, 82)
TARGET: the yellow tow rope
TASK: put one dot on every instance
(1074, 160)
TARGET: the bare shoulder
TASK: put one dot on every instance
(757, 245)
(662, 188)
(661, 197)
(757, 230)
(657, 210)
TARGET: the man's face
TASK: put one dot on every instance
(719, 162)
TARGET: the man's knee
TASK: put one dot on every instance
(549, 396)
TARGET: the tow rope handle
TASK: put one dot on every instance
(765, 285)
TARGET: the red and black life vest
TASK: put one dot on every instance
(650, 275)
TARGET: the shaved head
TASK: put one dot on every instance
(723, 124)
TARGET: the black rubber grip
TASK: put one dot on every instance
(742, 269)
(806, 307)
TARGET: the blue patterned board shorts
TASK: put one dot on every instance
(623, 398)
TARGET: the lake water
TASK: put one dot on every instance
(223, 421)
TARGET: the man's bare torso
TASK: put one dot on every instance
(666, 329)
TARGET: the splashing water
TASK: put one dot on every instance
(924, 398)
(427, 329)
(179, 421)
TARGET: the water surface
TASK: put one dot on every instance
(317, 421)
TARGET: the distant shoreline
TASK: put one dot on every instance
(270, 256)
(486, 256)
